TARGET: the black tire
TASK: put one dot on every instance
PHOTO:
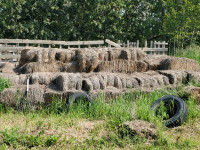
(180, 113)
(79, 96)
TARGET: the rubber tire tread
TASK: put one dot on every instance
(179, 117)
(79, 95)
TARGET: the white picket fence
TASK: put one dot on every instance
(10, 49)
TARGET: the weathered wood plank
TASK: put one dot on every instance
(26, 41)
(13, 49)
(112, 43)
(9, 56)
(155, 49)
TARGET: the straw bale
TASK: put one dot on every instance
(174, 63)
(117, 82)
(70, 67)
(141, 66)
(175, 76)
(110, 79)
(101, 82)
(123, 80)
(87, 85)
(140, 55)
(23, 59)
(7, 67)
(87, 59)
(95, 82)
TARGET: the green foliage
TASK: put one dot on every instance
(4, 83)
(182, 21)
(191, 52)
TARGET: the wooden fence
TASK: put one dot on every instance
(10, 49)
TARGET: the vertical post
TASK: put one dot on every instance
(138, 43)
(145, 44)
(128, 44)
(6, 52)
(89, 46)
(49, 45)
(38, 45)
(27, 44)
(163, 47)
(155, 46)
(79, 46)
(118, 42)
(159, 43)
(151, 46)
(68, 46)
(60, 46)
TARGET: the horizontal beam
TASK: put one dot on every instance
(155, 49)
(13, 49)
(9, 56)
(49, 42)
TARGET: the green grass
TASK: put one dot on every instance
(192, 52)
(97, 126)
(4, 83)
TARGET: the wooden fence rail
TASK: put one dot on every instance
(10, 49)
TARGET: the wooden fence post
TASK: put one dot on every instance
(151, 46)
(128, 44)
(138, 43)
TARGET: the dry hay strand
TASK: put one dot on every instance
(87, 59)
(141, 55)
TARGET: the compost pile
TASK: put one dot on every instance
(112, 71)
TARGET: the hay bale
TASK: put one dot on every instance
(122, 66)
(41, 67)
(194, 76)
(101, 82)
(12, 77)
(87, 59)
(42, 78)
(9, 97)
(141, 55)
(23, 59)
(51, 56)
(70, 81)
(117, 82)
(174, 63)
(141, 66)
(36, 94)
(60, 56)
(87, 85)
(7, 67)
(123, 80)
(175, 77)
(110, 79)
(70, 67)
(95, 82)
